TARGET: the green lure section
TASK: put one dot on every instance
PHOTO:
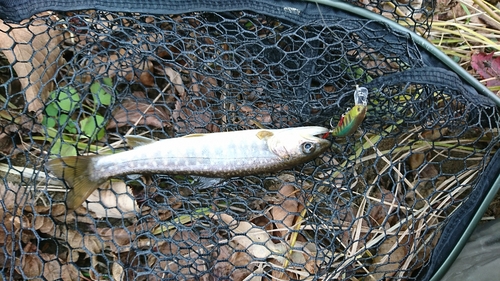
(350, 121)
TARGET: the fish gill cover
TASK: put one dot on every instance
(372, 207)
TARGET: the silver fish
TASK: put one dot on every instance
(222, 155)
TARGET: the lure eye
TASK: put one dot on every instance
(308, 147)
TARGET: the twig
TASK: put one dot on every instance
(487, 9)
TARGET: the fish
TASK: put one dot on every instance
(350, 121)
(220, 155)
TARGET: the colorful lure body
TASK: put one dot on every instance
(350, 121)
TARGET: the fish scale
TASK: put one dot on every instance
(234, 159)
(225, 154)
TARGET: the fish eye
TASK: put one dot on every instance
(308, 147)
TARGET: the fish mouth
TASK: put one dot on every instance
(324, 144)
(316, 134)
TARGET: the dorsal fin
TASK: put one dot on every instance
(135, 141)
(264, 134)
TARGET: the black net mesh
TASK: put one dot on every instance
(372, 207)
(415, 15)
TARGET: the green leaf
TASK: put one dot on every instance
(67, 123)
(107, 81)
(63, 118)
(49, 122)
(105, 98)
(100, 93)
(63, 149)
(92, 127)
(66, 98)
(71, 127)
(95, 88)
(52, 110)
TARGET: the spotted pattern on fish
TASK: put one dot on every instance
(225, 154)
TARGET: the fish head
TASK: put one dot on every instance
(300, 144)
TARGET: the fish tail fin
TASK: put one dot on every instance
(77, 171)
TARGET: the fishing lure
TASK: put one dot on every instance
(350, 121)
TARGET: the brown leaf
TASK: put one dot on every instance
(3, 238)
(54, 210)
(425, 169)
(255, 240)
(305, 261)
(14, 124)
(190, 112)
(449, 9)
(114, 202)
(428, 243)
(80, 215)
(260, 115)
(390, 255)
(189, 116)
(234, 262)
(55, 269)
(434, 134)
(139, 112)
(380, 210)
(87, 244)
(6, 143)
(12, 195)
(176, 80)
(286, 209)
(10, 245)
(349, 223)
(45, 225)
(92, 244)
(117, 271)
(429, 171)
(117, 235)
(420, 161)
(125, 65)
(186, 249)
(14, 223)
(73, 238)
(33, 50)
(5, 257)
(415, 160)
(31, 263)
